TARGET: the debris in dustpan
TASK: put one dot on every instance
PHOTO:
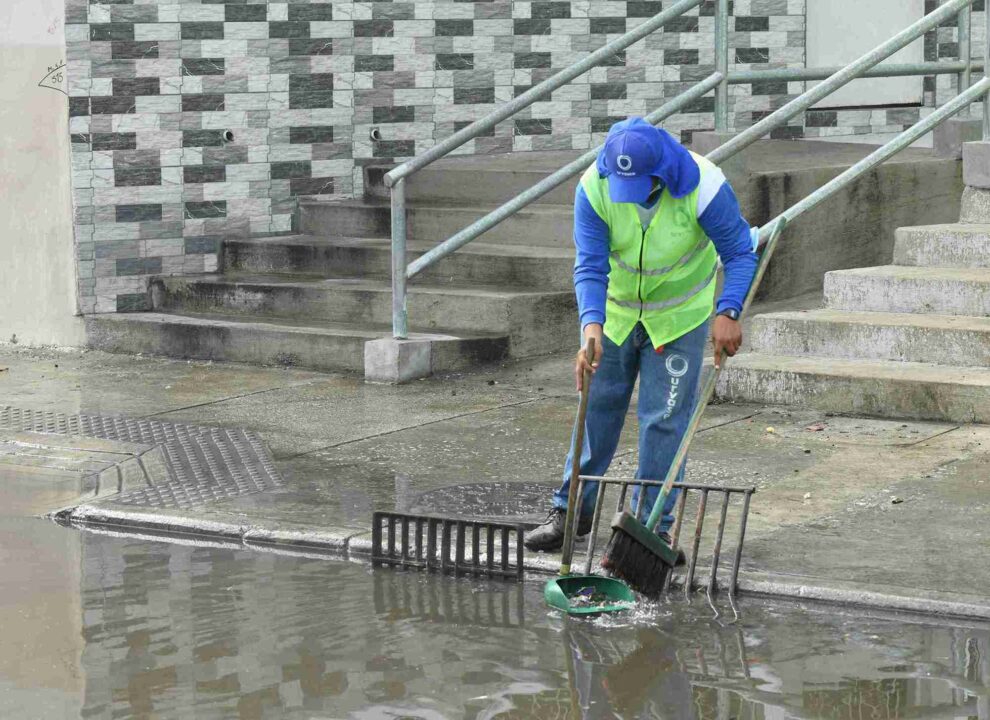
(589, 597)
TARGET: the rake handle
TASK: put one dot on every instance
(708, 389)
(567, 552)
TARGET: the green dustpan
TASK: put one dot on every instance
(610, 595)
(567, 592)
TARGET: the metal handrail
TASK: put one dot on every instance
(883, 70)
(867, 65)
(879, 156)
(575, 167)
(539, 91)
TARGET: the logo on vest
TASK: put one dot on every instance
(624, 163)
(681, 218)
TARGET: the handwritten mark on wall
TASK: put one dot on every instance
(55, 79)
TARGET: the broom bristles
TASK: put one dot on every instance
(626, 559)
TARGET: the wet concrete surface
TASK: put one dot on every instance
(839, 500)
(98, 625)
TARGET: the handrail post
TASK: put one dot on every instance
(965, 30)
(400, 316)
(722, 65)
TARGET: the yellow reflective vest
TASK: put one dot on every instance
(663, 276)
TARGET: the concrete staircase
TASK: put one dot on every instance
(316, 299)
(907, 340)
(320, 299)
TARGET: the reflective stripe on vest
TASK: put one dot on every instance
(672, 302)
(684, 260)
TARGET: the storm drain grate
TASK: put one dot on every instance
(460, 547)
(205, 464)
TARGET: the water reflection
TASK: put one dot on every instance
(186, 631)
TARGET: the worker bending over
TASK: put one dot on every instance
(650, 221)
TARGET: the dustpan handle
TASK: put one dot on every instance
(708, 390)
(567, 552)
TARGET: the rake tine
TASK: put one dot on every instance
(699, 523)
(735, 608)
(711, 604)
(639, 502)
(739, 545)
(675, 532)
(405, 538)
(593, 539)
(621, 505)
(419, 540)
(717, 550)
(391, 536)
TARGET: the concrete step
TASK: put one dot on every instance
(879, 388)
(544, 225)
(943, 339)
(332, 347)
(975, 205)
(535, 322)
(483, 179)
(954, 245)
(902, 289)
(517, 266)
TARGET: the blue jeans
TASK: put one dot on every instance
(668, 391)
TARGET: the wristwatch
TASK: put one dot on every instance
(730, 313)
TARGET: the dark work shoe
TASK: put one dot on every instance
(549, 535)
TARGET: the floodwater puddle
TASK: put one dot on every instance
(98, 626)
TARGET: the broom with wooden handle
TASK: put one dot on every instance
(635, 553)
(570, 518)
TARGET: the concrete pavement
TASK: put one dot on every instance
(847, 509)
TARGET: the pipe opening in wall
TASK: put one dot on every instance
(376, 134)
(228, 135)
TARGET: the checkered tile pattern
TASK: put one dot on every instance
(196, 120)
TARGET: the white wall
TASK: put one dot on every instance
(839, 31)
(37, 269)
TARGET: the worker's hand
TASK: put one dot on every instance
(583, 362)
(727, 336)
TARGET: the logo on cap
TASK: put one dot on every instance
(624, 163)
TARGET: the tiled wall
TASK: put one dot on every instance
(156, 85)
(941, 44)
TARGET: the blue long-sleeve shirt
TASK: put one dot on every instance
(718, 215)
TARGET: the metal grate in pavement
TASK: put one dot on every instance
(206, 464)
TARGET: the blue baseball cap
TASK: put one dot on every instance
(631, 159)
